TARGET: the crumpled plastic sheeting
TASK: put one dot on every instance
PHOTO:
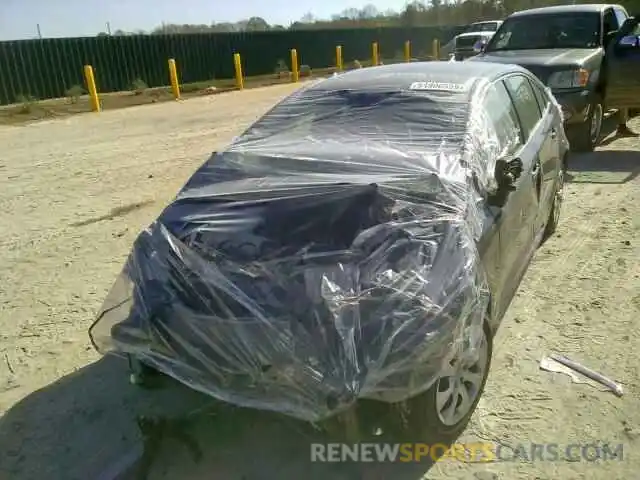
(323, 257)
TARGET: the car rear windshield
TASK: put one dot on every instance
(482, 27)
(552, 30)
(318, 118)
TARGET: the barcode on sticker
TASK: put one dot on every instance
(442, 86)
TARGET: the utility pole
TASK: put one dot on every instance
(108, 29)
(39, 31)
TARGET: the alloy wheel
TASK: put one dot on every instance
(558, 197)
(458, 389)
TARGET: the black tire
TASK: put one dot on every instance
(143, 375)
(418, 419)
(581, 137)
(554, 215)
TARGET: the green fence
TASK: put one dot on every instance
(48, 68)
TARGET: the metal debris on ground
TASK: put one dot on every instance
(561, 364)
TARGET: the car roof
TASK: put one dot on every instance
(586, 7)
(400, 76)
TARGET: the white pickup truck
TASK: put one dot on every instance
(461, 46)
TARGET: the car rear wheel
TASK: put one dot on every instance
(585, 136)
(556, 207)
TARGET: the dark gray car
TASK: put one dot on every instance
(359, 243)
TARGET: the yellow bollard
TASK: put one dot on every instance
(436, 49)
(173, 76)
(238, 66)
(295, 72)
(91, 87)
(407, 51)
(374, 54)
(339, 58)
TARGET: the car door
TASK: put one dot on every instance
(609, 23)
(550, 154)
(523, 204)
(513, 230)
(623, 67)
(538, 144)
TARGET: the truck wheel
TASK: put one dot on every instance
(585, 136)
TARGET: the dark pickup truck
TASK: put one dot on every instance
(588, 55)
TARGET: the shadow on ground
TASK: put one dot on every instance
(606, 166)
(75, 427)
(81, 426)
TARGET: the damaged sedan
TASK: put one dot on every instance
(360, 243)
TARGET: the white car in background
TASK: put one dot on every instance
(461, 46)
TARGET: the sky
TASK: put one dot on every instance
(19, 19)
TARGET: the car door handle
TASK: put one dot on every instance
(535, 170)
(554, 133)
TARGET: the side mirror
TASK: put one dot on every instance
(506, 174)
(479, 46)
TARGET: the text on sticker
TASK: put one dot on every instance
(443, 86)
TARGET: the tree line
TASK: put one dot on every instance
(415, 13)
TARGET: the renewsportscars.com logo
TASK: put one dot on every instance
(466, 452)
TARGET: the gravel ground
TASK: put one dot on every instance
(75, 193)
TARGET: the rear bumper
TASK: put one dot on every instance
(575, 105)
(310, 391)
(305, 335)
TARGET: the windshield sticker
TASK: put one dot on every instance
(439, 86)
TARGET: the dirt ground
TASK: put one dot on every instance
(75, 192)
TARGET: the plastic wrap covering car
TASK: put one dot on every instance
(328, 254)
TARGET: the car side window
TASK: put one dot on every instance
(541, 96)
(494, 133)
(503, 118)
(525, 102)
(620, 14)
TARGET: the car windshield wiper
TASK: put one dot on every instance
(508, 49)
(538, 47)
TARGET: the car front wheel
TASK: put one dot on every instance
(441, 413)
(447, 406)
